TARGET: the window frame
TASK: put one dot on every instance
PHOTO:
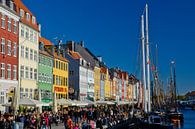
(2, 45)
(9, 24)
(9, 47)
(14, 72)
(9, 75)
(3, 22)
(3, 70)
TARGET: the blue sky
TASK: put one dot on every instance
(111, 28)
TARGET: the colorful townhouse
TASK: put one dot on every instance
(102, 82)
(97, 81)
(124, 82)
(116, 83)
(9, 21)
(60, 74)
(87, 63)
(28, 51)
(107, 85)
(78, 73)
(45, 71)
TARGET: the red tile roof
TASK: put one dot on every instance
(20, 5)
(45, 41)
(74, 55)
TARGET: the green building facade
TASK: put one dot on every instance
(45, 73)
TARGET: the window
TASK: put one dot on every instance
(14, 72)
(26, 92)
(66, 82)
(21, 13)
(9, 24)
(31, 35)
(15, 49)
(3, 21)
(66, 67)
(15, 26)
(2, 70)
(31, 94)
(54, 80)
(56, 64)
(22, 51)
(21, 92)
(31, 54)
(35, 37)
(2, 96)
(35, 74)
(26, 53)
(27, 16)
(33, 19)
(43, 77)
(8, 71)
(27, 33)
(3, 46)
(31, 73)
(40, 77)
(9, 48)
(22, 31)
(26, 72)
(35, 56)
(22, 71)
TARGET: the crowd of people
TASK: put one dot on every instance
(71, 117)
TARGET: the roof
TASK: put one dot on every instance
(60, 57)
(45, 53)
(20, 5)
(45, 41)
(74, 55)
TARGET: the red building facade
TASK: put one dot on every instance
(9, 22)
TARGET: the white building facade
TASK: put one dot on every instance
(28, 52)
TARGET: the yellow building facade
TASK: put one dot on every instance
(60, 77)
(107, 85)
(97, 82)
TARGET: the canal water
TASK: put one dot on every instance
(189, 120)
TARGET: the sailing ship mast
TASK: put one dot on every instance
(143, 63)
(148, 60)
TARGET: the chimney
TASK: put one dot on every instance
(99, 58)
(39, 30)
(82, 43)
(73, 46)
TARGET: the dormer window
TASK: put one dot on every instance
(21, 13)
(33, 19)
(11, 5)
(3, 2)
(27, 16)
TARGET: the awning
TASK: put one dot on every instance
(104, 102)
(32, 102)
(65, 102)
